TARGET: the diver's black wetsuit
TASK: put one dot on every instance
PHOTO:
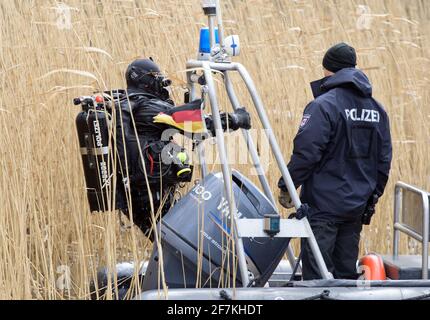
(140, 108)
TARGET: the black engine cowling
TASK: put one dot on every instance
(195, 231)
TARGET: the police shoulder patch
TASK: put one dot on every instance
(305, 120)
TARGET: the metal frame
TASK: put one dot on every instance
(255, 158)
(225, 66)
(404, 228)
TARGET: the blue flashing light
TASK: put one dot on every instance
(205, 46)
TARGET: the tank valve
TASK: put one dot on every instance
(272, 224)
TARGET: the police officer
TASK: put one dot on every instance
(146, 109)
(341, 159)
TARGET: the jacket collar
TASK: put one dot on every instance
(351, 78)
(318, 87)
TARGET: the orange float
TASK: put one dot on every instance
(373, 267)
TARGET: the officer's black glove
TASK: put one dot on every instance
(239, 119)
(370, 210)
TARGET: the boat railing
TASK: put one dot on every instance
(411, 217)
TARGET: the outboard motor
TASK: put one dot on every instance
(92, 125)
(194, 237)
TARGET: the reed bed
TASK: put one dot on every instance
(51, 247)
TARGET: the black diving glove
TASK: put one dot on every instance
(240, 119)
(370, 210)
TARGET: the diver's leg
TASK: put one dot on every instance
(142, 209)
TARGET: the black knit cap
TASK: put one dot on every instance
(339, 57)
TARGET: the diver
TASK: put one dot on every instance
(146, 120)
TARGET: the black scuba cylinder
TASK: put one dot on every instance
(93, 133)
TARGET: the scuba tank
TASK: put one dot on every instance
(92, 125)
(165, 162)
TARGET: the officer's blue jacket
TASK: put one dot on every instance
(342, 152)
